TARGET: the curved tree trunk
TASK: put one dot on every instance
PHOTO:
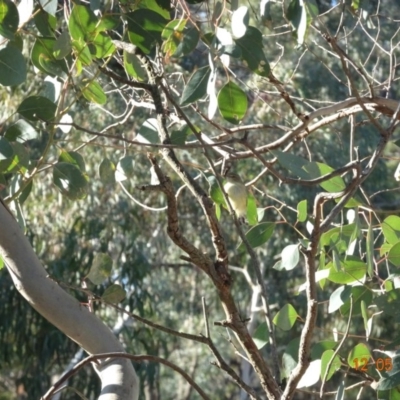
(119, 380)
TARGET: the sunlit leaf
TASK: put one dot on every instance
(325, 361)
(391, 229)
(144, 28)
(82, 23)
(286, 317)
(352, 269)
(93, 92)
(74, 158)
(232, 103)
(357, 354)
(302, 211)
(9, 19)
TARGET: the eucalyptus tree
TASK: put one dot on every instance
(127, 117)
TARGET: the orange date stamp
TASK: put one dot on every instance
(381, 364)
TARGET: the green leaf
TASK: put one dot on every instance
(93, 92)
(100, 269)
(107, 171)
(74, 158)
(37, 108)
(309, 170)
(370, 251)
(216, 193)
(359, 294)
(338, 298)
(316, 170)
(261, 336)
(391, 229)
(125, 169)
(286, 317)
(70, 180)
(232, 103)
(179, 136)
(114, 294)
(134, 67)
(358, 354)
(196, 87)
(292, 163)
(290, 357)
(148, 132)
(300, 14)
(390, 379)
(333, 236)
(144, 28)
(394, 254)
(302, 211)
(6, 154)
(253, 55)
(352, 269)
(82, 51)
(9, 19)
(252, 214)
(325, 360)
(364, 315)
(162, 7)
(180, 38)
(20, 161)
(103, 45)
(25, 193)
(297, 16)
(82, 23)
(336, 260)
(259, 234)
(43, 57)
(290, 257)
(108, 22)
(62, 47)
(12, 67)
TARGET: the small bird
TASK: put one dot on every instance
(237, 193)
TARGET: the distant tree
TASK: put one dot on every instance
(170, 109)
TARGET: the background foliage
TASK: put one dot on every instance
(77, 121)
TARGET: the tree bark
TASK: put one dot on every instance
(119, 380)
